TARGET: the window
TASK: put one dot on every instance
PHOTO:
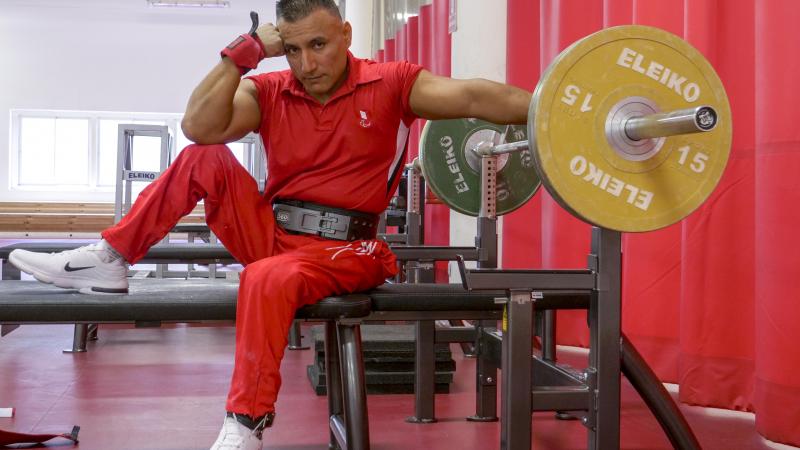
(74, 150)
(56, 151)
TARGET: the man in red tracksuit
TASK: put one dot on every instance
(335, 130)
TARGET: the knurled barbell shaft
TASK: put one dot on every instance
(682, 121)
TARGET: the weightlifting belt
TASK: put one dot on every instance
(330, 223)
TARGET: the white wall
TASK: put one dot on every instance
(479, 51)
(108, 55)
(359, 13)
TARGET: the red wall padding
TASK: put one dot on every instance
(716, 306)
(437, 217)
(441, 37)
(653, 260)
(389, 50)
(425, 36)
(401, 44)
(522, 229)
(777, 219)
(412, 55)
(712, 301)
(425, 40)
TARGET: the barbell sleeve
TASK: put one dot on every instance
(682, 121)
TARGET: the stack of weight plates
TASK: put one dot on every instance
(388, 360)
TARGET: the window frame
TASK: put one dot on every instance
(171, 120)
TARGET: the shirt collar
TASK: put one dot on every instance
(358, 73)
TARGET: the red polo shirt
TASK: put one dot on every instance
(346, 153)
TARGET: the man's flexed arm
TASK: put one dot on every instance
(223, 107)
(435, 97)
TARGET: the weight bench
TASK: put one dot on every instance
(154, 301)
(421, 303)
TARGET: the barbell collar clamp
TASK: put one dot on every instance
(510, 147)
(683, 121)
(488, 149)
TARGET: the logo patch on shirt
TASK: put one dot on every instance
(364, 119)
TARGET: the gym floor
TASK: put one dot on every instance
(164, 388)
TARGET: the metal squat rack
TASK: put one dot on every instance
(538, 383)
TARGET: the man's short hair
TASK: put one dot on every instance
(294, 10)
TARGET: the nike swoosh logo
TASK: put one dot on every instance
(73, 269)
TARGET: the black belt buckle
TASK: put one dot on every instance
(323, 221)
(324, 224)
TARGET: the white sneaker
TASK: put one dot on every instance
(235, 436)
(92, 269)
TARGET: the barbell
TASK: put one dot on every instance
(628, 129)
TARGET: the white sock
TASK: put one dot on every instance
(113, 254)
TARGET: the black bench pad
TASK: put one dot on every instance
(150, 300)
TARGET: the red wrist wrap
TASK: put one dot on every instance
(245, 51)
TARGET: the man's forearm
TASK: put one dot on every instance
(210, 107)
(498, 103)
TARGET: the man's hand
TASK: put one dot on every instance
(270, 39)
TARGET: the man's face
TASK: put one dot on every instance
(316, 48)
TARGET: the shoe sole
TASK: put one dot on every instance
(64, 284)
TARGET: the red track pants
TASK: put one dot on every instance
(283, 271)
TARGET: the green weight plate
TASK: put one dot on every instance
(452, 169)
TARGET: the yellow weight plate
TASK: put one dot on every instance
(590, 166)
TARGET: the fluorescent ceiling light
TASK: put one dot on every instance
(190, 3)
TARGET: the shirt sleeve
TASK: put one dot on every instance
(265, 89)
(404, 75)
